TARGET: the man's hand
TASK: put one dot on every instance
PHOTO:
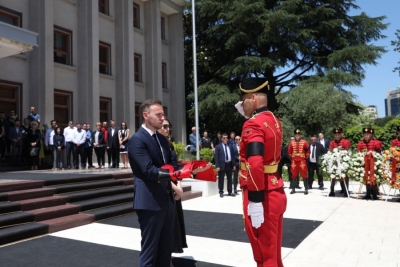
(218, 169)
(202, 169)
(256, 212)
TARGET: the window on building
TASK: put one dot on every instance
(165, 111)
(62, 107)
(103, 7)
(10, 99)
(138, 116)
(62, 46)
(136, 16)
(105, 109)
(164, 76)
(105, 58)
(162, 28)
(138, 68)
(10, 16)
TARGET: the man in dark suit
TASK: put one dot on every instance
(113, 144)
(324, 142)
(225, 162)
(16, 136)
(153, 199)
(316, 150)
(236, 147)
(286, 160)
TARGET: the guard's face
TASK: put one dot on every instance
(337, 136)
(155, 116)
(248, 104)
(367, 136)
(297, 137)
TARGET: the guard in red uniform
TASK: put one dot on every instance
(396, 144)
(369, 163)
(264, 200)
(339, 143)
(299, 151)
(378, 142)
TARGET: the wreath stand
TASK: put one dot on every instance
(394, 194)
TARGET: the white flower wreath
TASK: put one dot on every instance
(336, 163)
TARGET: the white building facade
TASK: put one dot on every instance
(96, 60)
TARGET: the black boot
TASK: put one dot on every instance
(293, 191)
(368, 195)
(305, 182)
(342, 187)
(374, 192)
(332, 193)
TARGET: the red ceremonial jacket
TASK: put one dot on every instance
(372, 145)
(396, 142)
(344, 143)
(259, 173)
(299, 150)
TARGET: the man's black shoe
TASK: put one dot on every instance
(230, 194)
(332, 194)
(321, 187)
(235, 192)
(293, 191)
(341, 191)
(305, 192)
(221, 195)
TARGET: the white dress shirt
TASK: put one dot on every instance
(48, 139)
(69, 133)
(79, 136)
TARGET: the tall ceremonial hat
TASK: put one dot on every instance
(337, 130)
(398, 128)
(253, 85)
(367, 130)
(297, 131)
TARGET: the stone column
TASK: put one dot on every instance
(124, 61)
(176, 77)
(152, 39)
(41, 61)
(87, 100)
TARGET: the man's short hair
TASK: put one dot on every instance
(145, 107)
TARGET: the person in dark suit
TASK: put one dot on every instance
(236, 147)
(16, 137)
(99, 145)
(285, 160)
(316, 151)
(225, 162)
(113, 144)
(153, 199)
(324, 142)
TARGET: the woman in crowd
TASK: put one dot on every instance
(33, 140)
(59, 146)
(179, 228)
(123, 136)
(99, 145)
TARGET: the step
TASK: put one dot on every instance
(127, 181)
(20, 232)
(113, 211)
(7, 207)
(42, 202)
(20, 185)
(104, 201)
(186, 188)
(10, 219)
(85, 186)
(129, 174)
(54, 212)
(78, 196)
(67, 222)
(191, 195)
(79, 179)
(30, 193)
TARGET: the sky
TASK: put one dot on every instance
(380, 78)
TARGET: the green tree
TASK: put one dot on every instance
(396, 44)
(283, 41)
(382, 121)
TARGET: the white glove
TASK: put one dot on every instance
(239, 107)
(256, 212)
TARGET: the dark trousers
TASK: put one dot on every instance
(79, 153)
(235, 179)
(314, 167)
(221, 174)
(17, 153)
(294, 182)
(2, 147)
(156, 227)
(109, 156)
(100, 152)
(59, 158)
(114, 151)
(89, 155)
(70, 149)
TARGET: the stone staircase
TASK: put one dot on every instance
(33, 208)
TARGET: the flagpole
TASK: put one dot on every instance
(196, 107)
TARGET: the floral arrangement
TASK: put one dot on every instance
(336, 163)
(357, 168)
(392, 160)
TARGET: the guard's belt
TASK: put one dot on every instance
(298, 155)
(267, 168)
(254, 149)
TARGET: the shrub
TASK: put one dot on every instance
(179, 149)
(207, 154)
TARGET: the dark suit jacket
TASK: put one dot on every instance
(326, 141)
(101, 138)
(113, 140)
(220, 156)
(146, 159)
(319, 151)
(13, 135)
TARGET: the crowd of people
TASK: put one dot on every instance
(38, 143)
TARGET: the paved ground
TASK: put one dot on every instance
(318, 231)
